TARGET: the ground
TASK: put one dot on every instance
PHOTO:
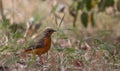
(73, 48)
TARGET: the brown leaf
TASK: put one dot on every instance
(77, 63)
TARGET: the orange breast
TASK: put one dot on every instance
(45, 48)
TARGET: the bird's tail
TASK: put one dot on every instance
(21, 54)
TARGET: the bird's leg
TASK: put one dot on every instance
(40, 59)
(47, 56)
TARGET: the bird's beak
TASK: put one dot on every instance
(54, 30)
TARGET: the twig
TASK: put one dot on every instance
(6, 40)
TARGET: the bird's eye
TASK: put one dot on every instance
(49, 31)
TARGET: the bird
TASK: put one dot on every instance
(42, 45)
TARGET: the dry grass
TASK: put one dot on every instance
(73, 49)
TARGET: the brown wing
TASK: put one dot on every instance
(37, 45)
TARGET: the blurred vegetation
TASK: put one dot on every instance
(74, 47)
(88, 9)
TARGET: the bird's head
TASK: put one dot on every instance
(49, 31)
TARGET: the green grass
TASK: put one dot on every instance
(73, 48)
(99, 52)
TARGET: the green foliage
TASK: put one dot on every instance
(84, 19)
(16, 28)
(71, 56)
(88, 4)
(109, 3)
(61, 21)
(118, 5)
(103, 4)
(60, 32)
(4, 48)
(5, 22)
(59, 49)
(54, 8)
(98, 42)
(80, 5)
(16, 35)
(117, 45)
(92, 19)
(73, 9)
(69, 50)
